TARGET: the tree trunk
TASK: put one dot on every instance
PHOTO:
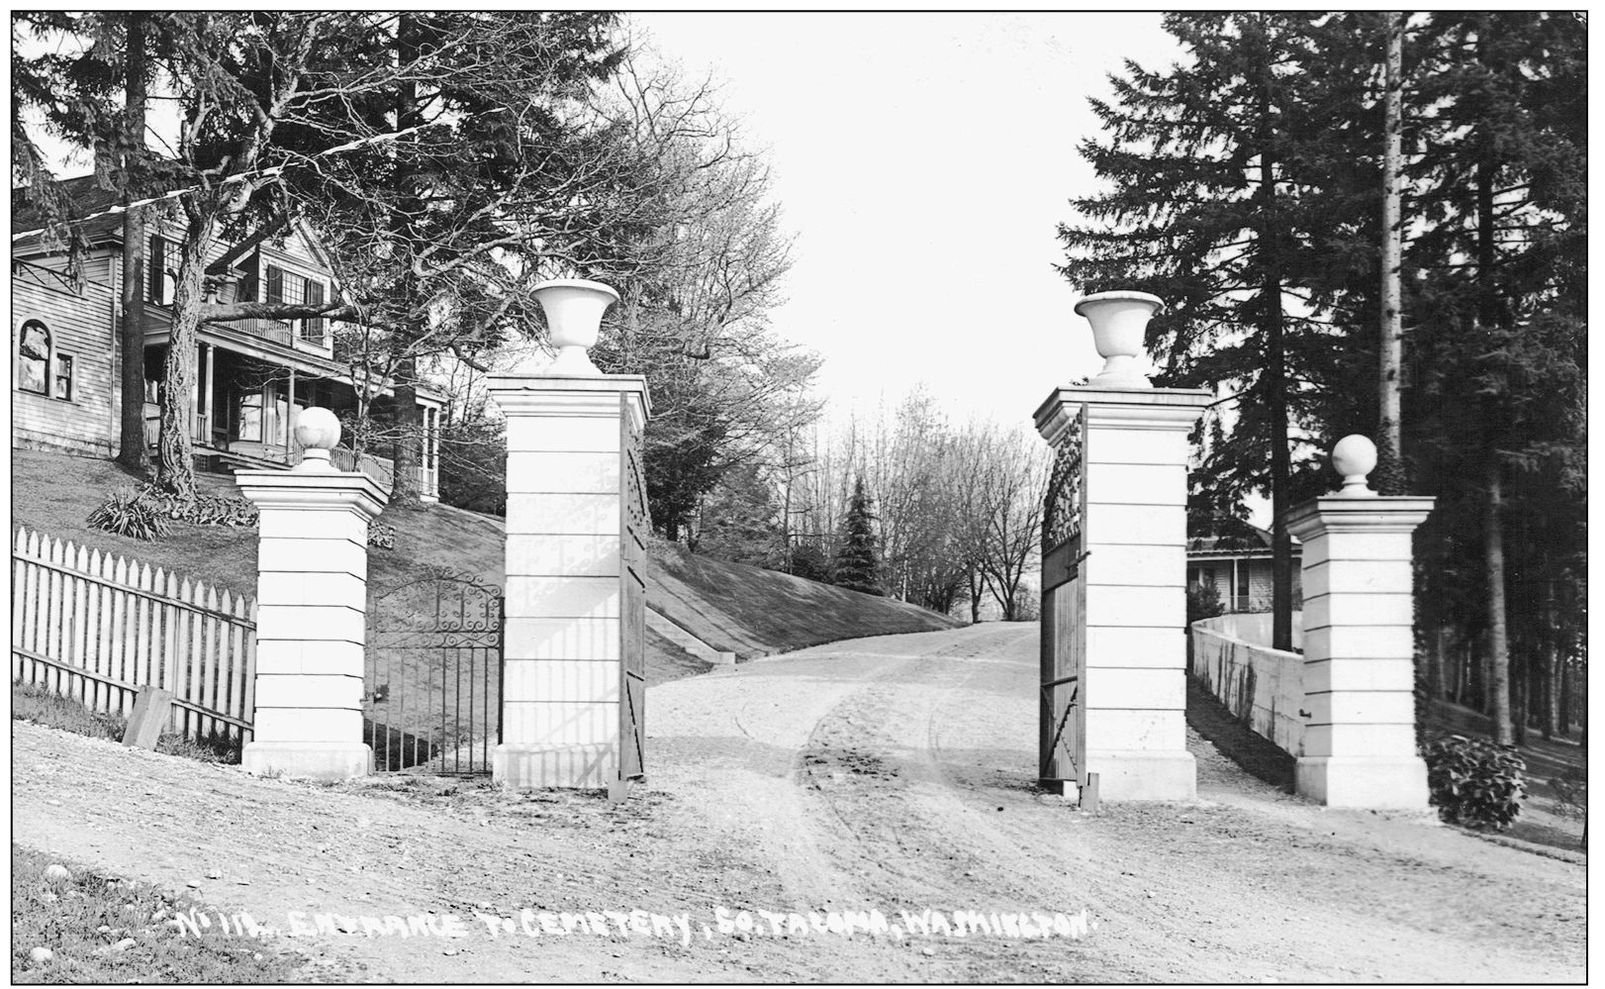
(1435, 660)
(1565, 696)
(131, 451)
(1498, 643)
(407, 424)
(1281, 462)
(1271, 329)
(176, 471)
(977, 586)
(1551, 658)
(1390, 474)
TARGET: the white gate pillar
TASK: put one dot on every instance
(1359, 644)
(563, 601)
(311, 610)
(1134, 537)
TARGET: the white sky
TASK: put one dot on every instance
(922, 161)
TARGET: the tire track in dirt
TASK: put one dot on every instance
(862, 774)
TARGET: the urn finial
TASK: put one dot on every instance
(574, 308)
(1353, 457)
(1119, 321)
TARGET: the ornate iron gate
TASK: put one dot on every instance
(634, 522)
(1063, 742)
(434, 674)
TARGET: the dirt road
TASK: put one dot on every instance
(889, 774)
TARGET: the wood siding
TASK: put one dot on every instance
(80, 325)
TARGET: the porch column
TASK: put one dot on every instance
(1359, 643)
(311, 614)
(1134, 541)
(563, 597)
(289, 420)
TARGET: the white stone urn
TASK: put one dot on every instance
(1354, 457)
(318, 432)
(574, 308)
(1119, 321)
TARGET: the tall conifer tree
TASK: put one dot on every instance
(856, 561)
(1230, 195)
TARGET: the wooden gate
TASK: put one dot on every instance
(634, 523)
(1063, 731)
(433, 697)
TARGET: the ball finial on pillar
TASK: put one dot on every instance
(1353, 457)
(318, 432)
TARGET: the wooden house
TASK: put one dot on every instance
(251, 376)
(1236, 560)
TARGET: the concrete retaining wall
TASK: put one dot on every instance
(1262, 686)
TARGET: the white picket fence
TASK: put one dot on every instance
(98, 628)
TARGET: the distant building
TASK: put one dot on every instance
(1237, 561)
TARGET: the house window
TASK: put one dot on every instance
(33, 358)
(158, 280)
(248, 417)
(248, 278)
(312, 329)
(275, 284)
(64, 377)
(1242, 569)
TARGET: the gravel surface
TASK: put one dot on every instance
(890, 773)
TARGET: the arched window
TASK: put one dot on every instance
(36, 356)
(33, 358)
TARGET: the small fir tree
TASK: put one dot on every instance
(856, 560)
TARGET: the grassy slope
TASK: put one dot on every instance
(742, 609)
(751, 611)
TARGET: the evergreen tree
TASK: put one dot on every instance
(856, 567)
(738, 520)
(1500, 345)
(1232, 196)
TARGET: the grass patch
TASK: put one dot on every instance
(742, 609)
(753, 612)
(103, 930)
(30, 702)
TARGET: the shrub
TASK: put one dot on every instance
(127, 512)
(1474, 782)
(236, 513)
(1203, 601)
(809, 561)
(205, 509)
(381, 535)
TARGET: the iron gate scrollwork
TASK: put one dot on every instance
(434, 674)
(1062, 742)
(635, 521)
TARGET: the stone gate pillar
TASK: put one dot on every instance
(1132, 562)
(311, 610)
(1359, 644)
(563, 609)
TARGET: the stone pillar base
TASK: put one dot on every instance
(1383, 783)
(1140, 775)
(535, 766)
(318, 760)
